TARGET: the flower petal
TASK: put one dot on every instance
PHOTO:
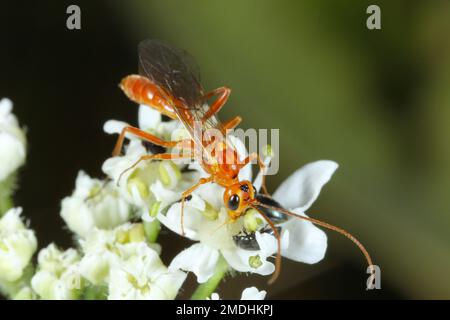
(148, 117)
(246, 172)
(306, 243)
(214, 296)
(211, 193)
(114, 126)
(267, 243)
(257, 183)
(238, 259)
(302, 188)
(199, 259)
(253, 293)
(192, 218)
(164, 195)
(170, 283)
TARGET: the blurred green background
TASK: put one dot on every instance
(377, 102)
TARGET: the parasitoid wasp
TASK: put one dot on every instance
(169, 81)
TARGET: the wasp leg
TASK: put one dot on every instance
(186, 194)
(231, 124)
(223, 93)
(262, 167)
(146, 136)
(159, 156)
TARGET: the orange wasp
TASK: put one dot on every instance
(169, 82)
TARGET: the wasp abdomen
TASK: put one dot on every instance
(143, 91)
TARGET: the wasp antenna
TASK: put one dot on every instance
(277, 236)
(325, 225)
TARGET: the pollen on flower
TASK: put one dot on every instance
(154, 209)
(169, 173)
(133, 234)
(139, 184)
(252, 221)
(136, 233)
(255, 261)
(210, 213)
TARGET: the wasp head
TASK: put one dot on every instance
(237, 198)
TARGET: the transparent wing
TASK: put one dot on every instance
(172, 69)
(177, 72)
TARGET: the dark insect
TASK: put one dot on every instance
(275, 215)
(247, 240)
(153, 148)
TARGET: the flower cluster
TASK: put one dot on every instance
(116, 221)
(156, 188)
(17, 246)
(12, 141)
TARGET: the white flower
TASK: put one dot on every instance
(301, 240)
(143, 276)
(17, 245)
(205, 217)
(106, 249)
(26, 293)
(12, 141)
(137, 186)
(58, 276)
(93, 204)
(251, 293)
(307, 243)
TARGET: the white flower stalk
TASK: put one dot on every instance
(106, 249)
(251, 293)
(143, 276)
(58, 276)
(93, 204)
(12, 141)
(17, 246)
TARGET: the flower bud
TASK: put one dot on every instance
(58, 276)
(93, 204)
(17, 246)
(169, 173)
(12, 141)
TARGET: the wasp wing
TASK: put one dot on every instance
(177, 72)
(172, 69)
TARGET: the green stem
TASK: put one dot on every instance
(95, 293)
(6, 192)
(205, 290)
(151, 230)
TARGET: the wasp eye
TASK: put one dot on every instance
(233, 202)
